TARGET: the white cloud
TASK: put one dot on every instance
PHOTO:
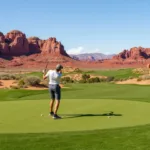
(81, 50)
(78, 50)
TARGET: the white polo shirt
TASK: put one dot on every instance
(54, 76)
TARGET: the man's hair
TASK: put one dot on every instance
(59, 67)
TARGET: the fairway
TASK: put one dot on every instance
(78, 115)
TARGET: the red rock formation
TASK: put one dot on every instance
(34, 45)
(15, 43)
(49, 46)
(53, 47)
(18, 43)
(2, 38)
(135, 53)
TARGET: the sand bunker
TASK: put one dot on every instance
(134, 81)
(8, 83)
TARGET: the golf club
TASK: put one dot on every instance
(44, 71)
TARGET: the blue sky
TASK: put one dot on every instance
(106, 26)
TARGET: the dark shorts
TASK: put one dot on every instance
(55, 91)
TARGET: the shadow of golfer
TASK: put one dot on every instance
(89, 115)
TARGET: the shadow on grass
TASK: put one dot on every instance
(66, 116)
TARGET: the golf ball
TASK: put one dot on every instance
(109, 117)
(41, 114)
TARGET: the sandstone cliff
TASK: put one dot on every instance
(135, 53)
(15, 43)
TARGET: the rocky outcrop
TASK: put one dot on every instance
(2, 37)
(53, 47)
(135, 53)
(15, 43)
(34, 45)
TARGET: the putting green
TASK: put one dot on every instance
(25, 116)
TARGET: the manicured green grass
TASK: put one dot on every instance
(134, 138)
(126, 138)
(92, 113)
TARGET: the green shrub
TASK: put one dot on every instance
(7, 77)
(109, 78)
(14, 87)
(139, 79)
(90, 80)
(117, 79)
(82, 81)
(10, 77)
(44, 84)
(19, 76)
(103, 79)
(93, 80)
(96, 79)
(21, 82)
(66, 80)
(32, 80)
(85, 76)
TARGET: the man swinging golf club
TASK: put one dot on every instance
(54, 88)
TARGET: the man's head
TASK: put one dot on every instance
(59, 67)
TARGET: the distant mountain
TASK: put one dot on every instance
(91, 56)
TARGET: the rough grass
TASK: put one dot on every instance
(84, 91)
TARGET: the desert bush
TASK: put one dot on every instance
(66, 80)
(117, 79)
(44, 83)
(82, 81)
(19, 76)
(139, 79)
(21, 82)
(145, 77)
(110, 78)
(93, 80)
(32, 80)
(90, 80)
(14, 87)
(7, 77)
(103, 79)
(10, 77)
(96, 79)
(85, 76)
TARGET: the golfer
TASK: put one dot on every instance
(54, 88)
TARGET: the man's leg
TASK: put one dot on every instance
(52, 93)
(56, 106)
(51, 106)
(58, 97)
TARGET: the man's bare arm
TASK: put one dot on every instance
(44, 75)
